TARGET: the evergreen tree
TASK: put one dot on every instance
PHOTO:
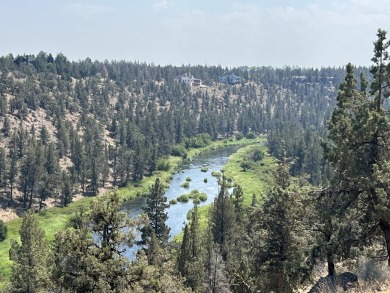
(280, 254)
(156, 211)
(191, 262)
(30, 258)
(358, 131)
(86, 264)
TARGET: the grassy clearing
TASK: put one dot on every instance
(56, 219)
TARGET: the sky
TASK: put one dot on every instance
(229, 33)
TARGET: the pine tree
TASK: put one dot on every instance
(191, 261)
(156, 211)
(222, 215)
(30, 266)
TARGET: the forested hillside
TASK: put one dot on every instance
(76, 127)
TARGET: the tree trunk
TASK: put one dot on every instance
(385, 227)
(330, 261)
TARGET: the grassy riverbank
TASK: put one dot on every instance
(256, 180)
(55, 219)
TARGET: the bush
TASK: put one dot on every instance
(204, 169)
(163, 165)
(216, 174)
(179, 151)
(185, 184)
(173, 201)
(257, 155)
(251, 135)
(198, 141)
(239, 136)
(205, 180)
(202, 196)
(3, 231)
(245, 165)
(182, 198)
(193, 194)
(196, 201)
(188, 179)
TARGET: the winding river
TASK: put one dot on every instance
(214, 160)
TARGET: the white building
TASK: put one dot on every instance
(190, 80)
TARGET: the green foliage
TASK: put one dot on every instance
(280, 252)
(163, 165)
(195, 195)
(30, 258)
(179, 151)
(204, 169)
(86, 264)
(216, 174)
(251, 135)
(257, 155)
(156, 211)
(239, 136)
(199, 141)
(246, 165)
(205, 180)
(188, 179)
(191, 263)
(173, 201)
(185, 184)
(3, 231)
(202, 196)
(183, 198)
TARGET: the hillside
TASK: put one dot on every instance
(74, 128)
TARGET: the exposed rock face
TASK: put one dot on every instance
(328, 284)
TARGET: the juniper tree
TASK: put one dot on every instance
(359, 131)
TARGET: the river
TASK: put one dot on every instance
(214, 160)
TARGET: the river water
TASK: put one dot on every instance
(214, 160)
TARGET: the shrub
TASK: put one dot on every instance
(245, 165)
(239, 136)
(216, 174)
(183, 198)
(200, 140)
(196, 201)
(185, 184)
(193, 194)
(3, 231)
(257, 155)
(204, 169)
(179, 151)
(205, 180)
(251, 135)
(188, 179)
(173, 201)
(163, 165)
(202, 196)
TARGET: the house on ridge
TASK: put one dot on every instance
(230, 78)
(190, 80)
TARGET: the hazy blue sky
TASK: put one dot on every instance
(229, 33)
